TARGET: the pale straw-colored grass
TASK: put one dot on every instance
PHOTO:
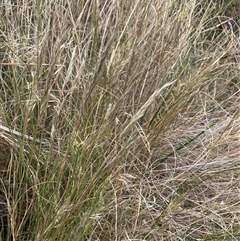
(119, 120)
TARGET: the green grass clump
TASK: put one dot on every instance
(119, 121)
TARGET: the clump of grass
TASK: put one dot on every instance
(120, 121)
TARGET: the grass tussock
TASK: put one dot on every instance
(119, 120)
